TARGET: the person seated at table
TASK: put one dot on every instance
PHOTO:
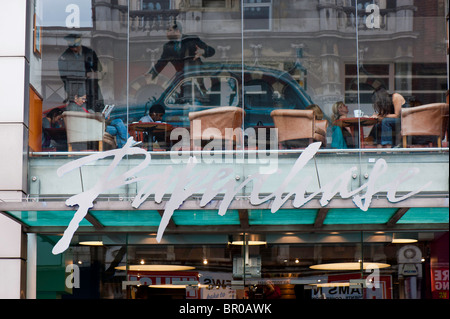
(341, 138)
(387, 109)
(155, 114)
(53, 119)
(115, 127)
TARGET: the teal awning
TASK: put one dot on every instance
(256, 217)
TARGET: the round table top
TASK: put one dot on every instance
(151, 126)
(350, 121)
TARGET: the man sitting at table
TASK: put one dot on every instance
(155, 114)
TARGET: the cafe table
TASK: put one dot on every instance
(156, 129)
(356, 125)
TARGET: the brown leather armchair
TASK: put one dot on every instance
(320, 133)
(220, 123)
(425, 120)
(297, 125)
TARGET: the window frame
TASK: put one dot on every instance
(268, 4)
(230, 5)
(157, 10)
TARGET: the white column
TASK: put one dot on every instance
(14, 78)
(14, 98)
(12, 259)
(31, 265)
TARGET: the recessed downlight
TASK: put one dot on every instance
(348, 266)
(91, 243)
(155, 268)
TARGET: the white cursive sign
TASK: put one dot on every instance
(222, 182)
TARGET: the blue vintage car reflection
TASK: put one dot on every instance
(259, 90)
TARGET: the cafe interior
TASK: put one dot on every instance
(285, 76)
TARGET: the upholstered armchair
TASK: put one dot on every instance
(218, 123)
(83, 127)
(320, 131)
(294, 125)
(425, 120)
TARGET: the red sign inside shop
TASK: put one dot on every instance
(440, 282)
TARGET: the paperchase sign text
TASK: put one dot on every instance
(222, 182)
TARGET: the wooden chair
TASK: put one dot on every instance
(217, 123)
(295, 125)
(83, 127)
(425, 120)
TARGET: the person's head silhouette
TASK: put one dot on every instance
(174, 31)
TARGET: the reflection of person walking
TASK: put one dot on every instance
(80, 65)
(181, 51)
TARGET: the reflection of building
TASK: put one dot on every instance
(326, 33)
(33, 197)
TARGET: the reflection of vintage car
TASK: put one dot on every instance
(210, 85)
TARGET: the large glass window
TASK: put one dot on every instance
(135, 54)
(288, 265)
(366, 79)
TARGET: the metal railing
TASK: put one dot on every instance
(248, 152)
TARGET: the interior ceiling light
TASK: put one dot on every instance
(250, 239)
(91, 243)
(332, 284)
(404, 238)
(168, 286)
(178, 286)
(155, 268)
(250, 242)
(404, 241)
(348, 266)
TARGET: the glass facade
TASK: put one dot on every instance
(230, 82)
(334, 265)
(266, 56)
